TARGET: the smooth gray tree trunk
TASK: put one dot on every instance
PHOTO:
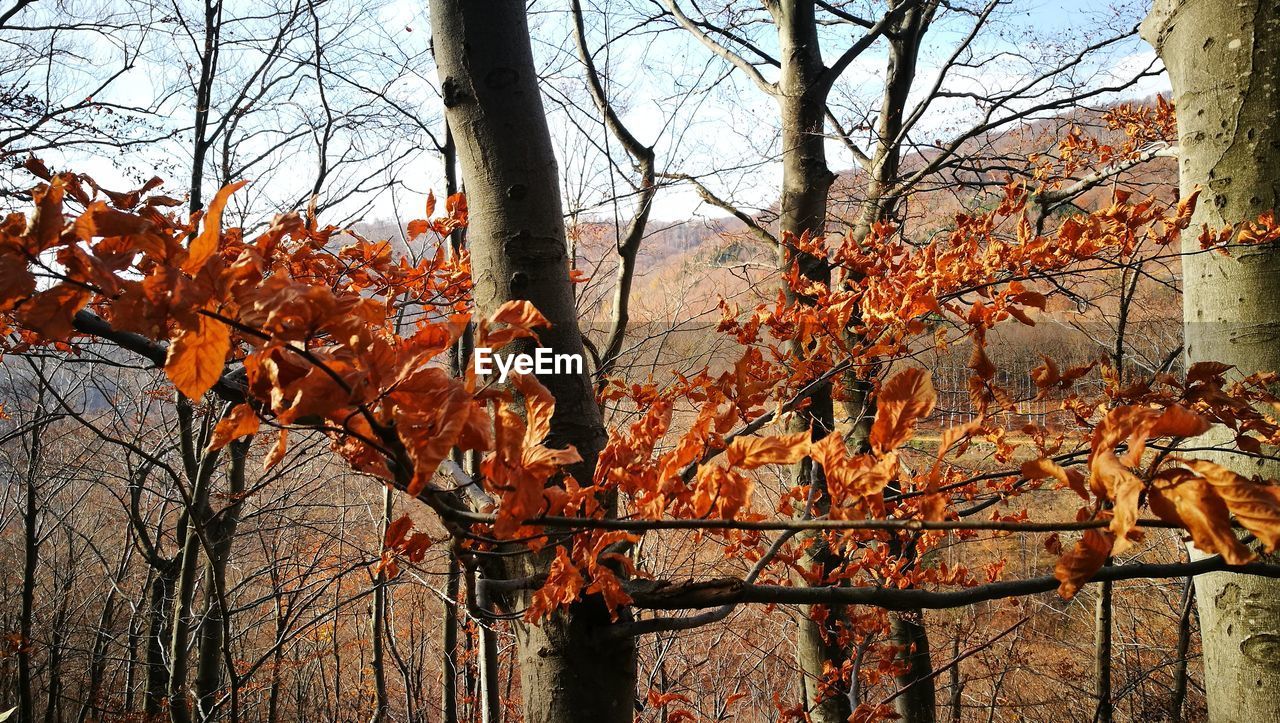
(1223, 58)
(570, 670)
(806, 182)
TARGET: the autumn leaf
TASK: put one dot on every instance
(1123, 488)
(1046, 375)
(197, 356)
(1045, 468)
(432, 412)
(205, 244)
(722, 490)
(16, 282)
(456, 208)
(980, 363)
(1255, 505)
(1205, 371)
(277, 452)
(521, 318)
(519, 313)
(1083, 560)
(1179, 422)
(51, 312)
(1131, 424)
(397, 530)
(46, 223)
(753, 452)
(518, 472)
(563, 585)
(540, 407)
(1191, 502)
(902, 400)
(607, 585)
(101, 220)
(851, 479)
(241, 422)
(417, 227)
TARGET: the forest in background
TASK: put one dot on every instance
(930, 361)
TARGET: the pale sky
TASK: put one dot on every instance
(665, 86)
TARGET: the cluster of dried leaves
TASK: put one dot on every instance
(309, 326)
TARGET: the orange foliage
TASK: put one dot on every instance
(319, 334)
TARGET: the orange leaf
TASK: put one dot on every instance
(205, 245)
(722, 490)
(396, 531)
(519, 313)
(197, 356)
(753, 452)
(239, 423)
(1045, 468)
(50, 312)
(277, 452)
(902, 400)
(417, 227)
(456, 207)
(16, 282)
(1255, 505)
(540, 406)
(521, 316)
(1179, 422)
(1087, 557)
(46, 223)
(101, 220)
(563, 585)
(1123, 488)
(1207, 370)
(1188, 500)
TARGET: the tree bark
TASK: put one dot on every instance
(159, 603)
(188, 564)
(569, 670)
(1223, 59)
(918, 701)
(449, 648)
(806, 182)
(31, 557)
(1179, 696)
(214, 620)
(1102, 654)
(377, 621)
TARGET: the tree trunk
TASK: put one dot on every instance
(91, 702)
(570, 670)
(159, 603)
(188, 564)
(918, 699)
(180, 627)
(956, 697)
(31, 556)
(1179, 697)
(377, 621)
(1102, 654)
(214, 621)
(806, 181)
(918, 702)
(1223, 59)
(449, 648)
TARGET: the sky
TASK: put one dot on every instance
(703, 118)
